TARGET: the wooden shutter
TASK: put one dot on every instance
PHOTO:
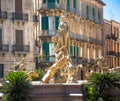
(0, 36)
(87, 11)
(68, 5)
(58, 1)
(44, 23)
(71, 50)
(19, 40)
(57, 21)
(18, 6)
(0, 39)
(44, 1)
(19, 37)
(46, 51)
(51, 3)
(74, 4)
(98, 14)
(1, 70)
(0, 5)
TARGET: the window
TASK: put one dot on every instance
(93, 12)
(48, 51)
(19, 37)
(50, 23)
(18, 6)
(71, 50)
(57, 20)
(19, 40)
(0, 39)
(80, 6)
(51, 3)
(68, 5)
(0, 36)
(74, 4)
(87, 11)
(44, 23)
(0, 5)
(99, 15)
(58, 1)
(44, 1)
(1, 70)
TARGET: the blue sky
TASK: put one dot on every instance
(112, 10)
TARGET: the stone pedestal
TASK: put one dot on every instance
(56, 92)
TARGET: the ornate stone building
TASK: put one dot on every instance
(17, 23)
(112, 43)
(85, 18)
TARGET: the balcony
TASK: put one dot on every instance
(118, 54)
(3, 15)
(21, 48)
(91, 40)
(80, 13)
(108, 36)
(99, 42)
(78, 37)
(47, 33)
(35, 18)
(22, 17)
(111, 53)
(48, 6)
(4, 48)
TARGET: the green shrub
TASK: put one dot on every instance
(16, 87)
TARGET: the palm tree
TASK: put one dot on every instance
(16, 87)
(101, 83)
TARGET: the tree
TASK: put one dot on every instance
(99, 85)
(16, 87)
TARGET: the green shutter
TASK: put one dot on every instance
(74, 51)
(46, 51)
(70, 50)
(57, 18)
(93, 13)
(98, 14)
(77, 50)
(74, 4)
(68, 5)
(57, 1)
(44, 1)
(87, 11)
(51, 3)
(44, 23)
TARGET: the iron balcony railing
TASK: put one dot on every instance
(47, 6)
(99, 42)
(4, 48)
(21, 48)
(22, 16)
(91, 40)
(113, 53)
(47, 33)
(35, 18)
(3, 15)
(77, 36)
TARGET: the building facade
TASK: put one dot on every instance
(17, 23)
(85, 19)
(112, 43)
